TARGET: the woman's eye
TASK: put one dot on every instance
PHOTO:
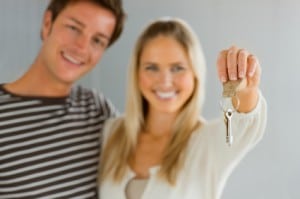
(177, 68)
(152, 68)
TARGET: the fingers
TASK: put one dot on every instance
(252, 64)
(254, 72)
(221, 62)
(235, 63)
(242, 63)
(232, 63)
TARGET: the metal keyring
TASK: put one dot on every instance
(226, 103)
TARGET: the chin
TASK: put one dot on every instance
(169, 110)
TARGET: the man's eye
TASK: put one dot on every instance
(99, 42)
(73, 28)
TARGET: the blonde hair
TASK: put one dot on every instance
(123, 140)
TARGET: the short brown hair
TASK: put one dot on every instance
(115, 6)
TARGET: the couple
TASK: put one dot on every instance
(159, 148)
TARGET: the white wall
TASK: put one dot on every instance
(268, 28)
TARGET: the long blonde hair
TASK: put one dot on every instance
(123, 140)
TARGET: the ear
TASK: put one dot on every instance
(46, 25)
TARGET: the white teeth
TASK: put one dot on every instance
(71, 59)
(166, 95)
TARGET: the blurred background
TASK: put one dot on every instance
(267, 28)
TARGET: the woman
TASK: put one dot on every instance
(161, 147)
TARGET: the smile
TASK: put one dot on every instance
(72, 59)
(166, 95)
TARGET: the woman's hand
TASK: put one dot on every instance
(237, 63)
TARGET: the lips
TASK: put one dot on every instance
(166, 95)
(72, 59)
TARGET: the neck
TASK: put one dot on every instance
(159, 125)
(35, 83)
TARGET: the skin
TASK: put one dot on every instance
(155, 73)
(166, 78)
(234, 63)
(72, 45)
(166, 81)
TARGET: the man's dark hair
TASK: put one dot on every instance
(115, 6)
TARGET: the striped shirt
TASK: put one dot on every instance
(49, 147)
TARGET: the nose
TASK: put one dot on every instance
(82, 42)
(166, 79)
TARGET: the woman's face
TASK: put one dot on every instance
(165, 75)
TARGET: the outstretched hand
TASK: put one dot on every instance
(237, 63)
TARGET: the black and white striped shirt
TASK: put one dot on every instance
(49, 147)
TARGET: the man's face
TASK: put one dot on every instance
(75, 41)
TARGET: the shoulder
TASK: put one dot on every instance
(111, 125)
(114, 122)
(79, 92)
(208, 128)
(96, 98)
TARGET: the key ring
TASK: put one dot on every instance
(226, 103)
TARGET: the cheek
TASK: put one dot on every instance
(187, 83)
(96, 56)
(144, 83)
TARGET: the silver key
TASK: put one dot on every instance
(230, 89)
(228, 115)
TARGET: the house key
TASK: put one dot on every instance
(229, 91)
(227, 117)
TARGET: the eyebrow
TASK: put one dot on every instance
(179, 63)
(82, 25)
(148, 63)
(173, 63)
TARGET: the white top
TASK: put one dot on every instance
(209, 160)
(135, 188)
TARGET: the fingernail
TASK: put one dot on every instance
(233, 77)
(223, 79)
(241, 74)
(251, 73)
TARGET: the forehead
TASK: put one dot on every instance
(164, 47)
(90, 14)
(89, 8)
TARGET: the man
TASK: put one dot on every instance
(49, 128)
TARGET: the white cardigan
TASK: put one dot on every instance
(209, 160)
